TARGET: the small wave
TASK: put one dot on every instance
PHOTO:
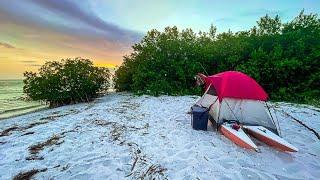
(19, 109)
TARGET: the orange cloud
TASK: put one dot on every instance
(42, 31)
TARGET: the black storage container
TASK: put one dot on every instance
(199, 118)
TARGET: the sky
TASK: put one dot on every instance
(35, 31)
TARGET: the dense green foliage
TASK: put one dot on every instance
(65, 82)
(282, 57)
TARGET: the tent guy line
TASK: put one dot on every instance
(301, 123)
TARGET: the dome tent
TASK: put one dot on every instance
(234, 96)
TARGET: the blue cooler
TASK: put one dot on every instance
(199, 118)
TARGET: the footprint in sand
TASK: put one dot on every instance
(185, 154)
(170, 152)
(81, 176)
(249, 174)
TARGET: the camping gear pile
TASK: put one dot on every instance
(237, 106)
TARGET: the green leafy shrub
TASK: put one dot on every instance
(67, 81)
(283, 57)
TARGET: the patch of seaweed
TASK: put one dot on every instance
(47, 119)
(8, 131)
(55, 115)
(117, 132)
(102, 122)
(28, 174)
(142, 168)
(34, 157)
(35, 149)
(34, 124)
(27, 133)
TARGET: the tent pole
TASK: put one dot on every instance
(204, 94)
(232, 112)
(203, 69)
(273, 119)
(218, 123)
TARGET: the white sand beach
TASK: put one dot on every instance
(122, 136)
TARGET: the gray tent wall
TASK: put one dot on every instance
(246, 111)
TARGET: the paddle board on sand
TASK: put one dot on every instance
(238, 136)
(268, 137)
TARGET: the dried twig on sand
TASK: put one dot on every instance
(142, 168)
(28, 175)
(155, 170)
(34, 124)
(7, 132)
(35, 149)
(54, 115)
(117, 132)
(102, 122)
(27, 133)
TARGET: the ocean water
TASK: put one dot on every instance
(12, 99)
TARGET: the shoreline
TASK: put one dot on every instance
(21, 111)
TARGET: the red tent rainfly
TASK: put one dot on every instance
(235, 84)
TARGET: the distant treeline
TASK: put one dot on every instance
(283, 57)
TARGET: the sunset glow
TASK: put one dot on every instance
(34, 31)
